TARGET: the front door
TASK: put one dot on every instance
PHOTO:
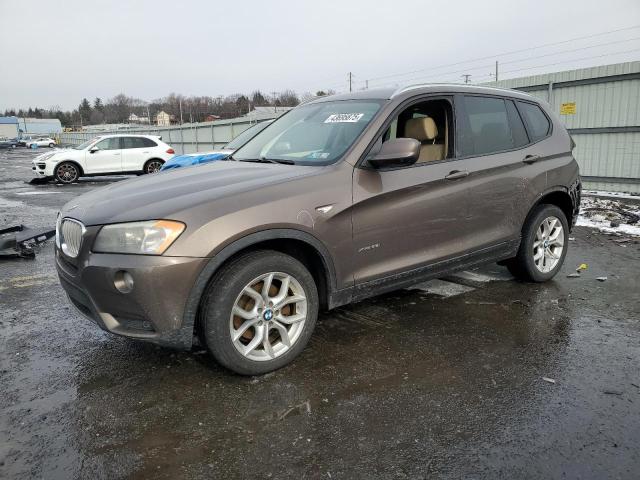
(408, 218)
(104, 157)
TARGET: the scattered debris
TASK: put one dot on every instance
(610, 215)
(19, 241)
(573, 275)
(601, 279)
(582, 266)
(612, 392)
(549, 380)
(572, 239)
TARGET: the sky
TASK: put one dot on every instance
(56, 53)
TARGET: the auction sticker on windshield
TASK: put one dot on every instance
(344, 118)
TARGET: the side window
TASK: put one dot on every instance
(112, 143)
(489, 128)
(147, 142)
(518, 132)
(132, 142)
(537, 122)
(430, 122)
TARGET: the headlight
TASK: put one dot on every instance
(58, 220)
(145, 238)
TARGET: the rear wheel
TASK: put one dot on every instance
(259, 312)
(543, 246)
(153, 166)
(67, 172)
(51, 145)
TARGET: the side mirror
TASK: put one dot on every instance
(400, 152)
(93, 149)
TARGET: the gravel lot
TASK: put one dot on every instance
(445, 380)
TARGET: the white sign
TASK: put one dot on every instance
(344, 118)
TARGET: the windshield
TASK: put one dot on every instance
(245, 136)
(84, 145)
(315, 134)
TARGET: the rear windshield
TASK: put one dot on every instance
(314, 134)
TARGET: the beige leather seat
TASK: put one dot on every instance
(424, 130)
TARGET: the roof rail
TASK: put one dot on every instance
(406, 88)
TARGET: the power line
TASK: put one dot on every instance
(507, 53)
(442, 74)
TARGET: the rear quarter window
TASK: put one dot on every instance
(537, 122)
(149, 143)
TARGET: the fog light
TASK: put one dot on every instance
(123, 281)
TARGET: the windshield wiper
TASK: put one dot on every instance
(269, 160)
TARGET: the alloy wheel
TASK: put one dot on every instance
(67, 173)
(268, 316)
(154, 166)
(548, 244)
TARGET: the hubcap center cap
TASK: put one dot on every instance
(546, 244)
(267, 315)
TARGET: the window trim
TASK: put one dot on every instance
(515, 100)
(526, 123)
(449, 97)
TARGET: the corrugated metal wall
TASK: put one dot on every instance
(606, 122)
(188, 138)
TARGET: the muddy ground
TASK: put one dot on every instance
(445, 381)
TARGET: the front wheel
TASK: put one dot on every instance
(67, 172)
(259, 312)
(153, 166)
(543, 246)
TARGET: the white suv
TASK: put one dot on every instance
(104, 155)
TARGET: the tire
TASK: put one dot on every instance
(51, 145)
(548, 245)
(225, 295)
(67, 172)
(152, 166)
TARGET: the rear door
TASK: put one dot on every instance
(106, 159)
(135, 152)
(500, 186)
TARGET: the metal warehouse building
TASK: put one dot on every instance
(8, 127)
(601, 108)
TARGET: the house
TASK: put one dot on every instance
(133, 118)
(163, 119)
(211, 118)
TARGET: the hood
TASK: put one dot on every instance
(167, 194)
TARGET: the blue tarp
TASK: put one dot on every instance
(188, 160)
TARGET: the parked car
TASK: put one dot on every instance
(104, 155)
(42, 142)
(8, 142)
(341, 199)
(206, 157)
(22, 141)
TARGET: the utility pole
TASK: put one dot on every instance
(496, 71)
(275, 108)
(350, 80)
(180, 103)
(466, 77)
(366, 84)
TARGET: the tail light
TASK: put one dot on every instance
(171, 151)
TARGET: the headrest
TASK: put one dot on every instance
(422, 128)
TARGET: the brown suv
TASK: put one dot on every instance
(342, 198)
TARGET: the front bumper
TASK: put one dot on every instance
(42, 169)
(153, 310)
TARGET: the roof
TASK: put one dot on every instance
(389, 93)
(8, 120)
(600, 71)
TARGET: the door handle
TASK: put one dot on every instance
(456, 174)
(529, 159)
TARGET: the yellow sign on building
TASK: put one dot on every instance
(568, 108)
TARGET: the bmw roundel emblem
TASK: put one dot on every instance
(267, 315)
